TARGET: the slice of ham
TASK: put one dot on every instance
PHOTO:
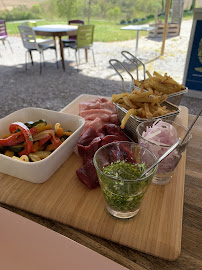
(93, 104)
(97, 123)
(97, 112)
(92, 114)
(114, 119)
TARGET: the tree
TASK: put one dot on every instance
(66, 8)
(89, 9)
(110, 13)
(117, 12)
(162, 6)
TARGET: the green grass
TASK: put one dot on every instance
(105, 31)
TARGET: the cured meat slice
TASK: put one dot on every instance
(89, 150)
(110, 138)
(96, 123)
(87, 137)
(108, 106)
(127, 154)
(114, 119)
(104, 115)
(97, 112)
(93, 104)
(87, 175)
(112, 129)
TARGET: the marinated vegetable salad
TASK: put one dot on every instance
(32, 141)
(123, 195)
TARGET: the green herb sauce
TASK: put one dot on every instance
(123, 195)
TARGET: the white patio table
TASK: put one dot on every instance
(137, 28)
(58, 30)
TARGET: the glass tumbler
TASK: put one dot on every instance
(123, 191)
(168, 164)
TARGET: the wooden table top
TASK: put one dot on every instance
(190, 257)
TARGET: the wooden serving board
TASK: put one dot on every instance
(156, 229)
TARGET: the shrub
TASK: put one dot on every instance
(22, 13)
(150, 16)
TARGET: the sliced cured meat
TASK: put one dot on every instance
(104, 115)
(87, 175)
(127, 154)
(87, 137)
(110, 138)
(100, 129)
(93, 104)
(115, 154)
(89, 150)
(112, 129)
(97, 112)
(96, 124)
(114, 119)
(108, 106)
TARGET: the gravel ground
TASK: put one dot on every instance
(54, 89)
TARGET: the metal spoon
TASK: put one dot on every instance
(191, 126)
(161, 158)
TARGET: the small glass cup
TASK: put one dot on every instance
(123, 195)
(168, 164)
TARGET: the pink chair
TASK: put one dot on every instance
(76, 22)
(72, 39)
(3, 33)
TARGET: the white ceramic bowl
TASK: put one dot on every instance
(39, 172)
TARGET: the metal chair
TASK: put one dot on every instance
(72, 39)
(29, 42)
(39, 39)
(3, 33)
(84, 40)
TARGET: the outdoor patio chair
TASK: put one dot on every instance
(3, 33)
(84, 40)
(29, 42)
(72, 39)
(39, 39)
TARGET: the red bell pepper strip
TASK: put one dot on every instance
(56, 141)
(44, 140)
(27, 135)
(13, 139)
(16, 138)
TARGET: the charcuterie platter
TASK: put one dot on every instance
(156, 230)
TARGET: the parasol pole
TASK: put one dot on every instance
(165, 26)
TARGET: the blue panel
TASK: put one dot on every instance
(194, 74)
